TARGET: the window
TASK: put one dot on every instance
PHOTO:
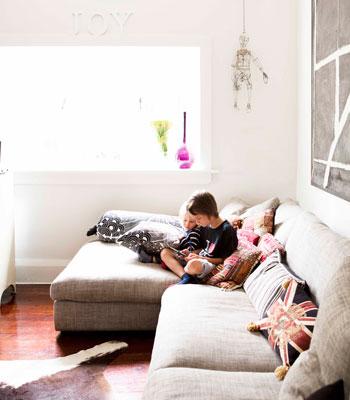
(90, 108)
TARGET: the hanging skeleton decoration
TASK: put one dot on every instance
(241, 68)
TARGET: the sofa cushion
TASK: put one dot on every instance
(332, 333)
(272, 203)
(202, 326)
(303, 378)
(235, 207)
(285, 218)
(315, 252)
(264, 285)
(193, 384)
(288, 325)
(248, 234)
(235, 269)
(260, 223)
(104, 272)
(268, 244)
(328, 357)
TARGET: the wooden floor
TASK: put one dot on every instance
(27, 332)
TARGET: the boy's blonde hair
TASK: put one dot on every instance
(183, 210)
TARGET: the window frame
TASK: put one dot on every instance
(199, 175)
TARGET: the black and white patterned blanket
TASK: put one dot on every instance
(134, 229)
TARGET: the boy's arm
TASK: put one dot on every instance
(194, 240)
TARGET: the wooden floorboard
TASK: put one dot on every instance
(27, 332)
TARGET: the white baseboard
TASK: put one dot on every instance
(38, 270)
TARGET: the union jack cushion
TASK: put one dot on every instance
(289, 323)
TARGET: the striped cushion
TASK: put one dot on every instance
(264, 285)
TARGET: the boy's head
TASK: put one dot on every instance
(203, 207)
(188, 221)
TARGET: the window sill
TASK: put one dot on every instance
(112, 177)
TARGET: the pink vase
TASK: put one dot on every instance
(183, 156)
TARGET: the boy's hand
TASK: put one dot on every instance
(185, 252)
(192, 256)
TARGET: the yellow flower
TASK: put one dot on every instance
(162, 127)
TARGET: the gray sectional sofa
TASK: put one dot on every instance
(202, 349)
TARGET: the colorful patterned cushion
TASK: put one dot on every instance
(264, 284)
(235, 221)
(268, 244)
(232, 274)
(260, 223)
(245, 234)
(245, 244)
(288, 325)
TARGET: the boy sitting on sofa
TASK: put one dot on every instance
(218, 240)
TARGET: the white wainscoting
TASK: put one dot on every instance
(34, 270)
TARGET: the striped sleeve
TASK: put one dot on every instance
(191, 241)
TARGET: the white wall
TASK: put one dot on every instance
(255, 153)
(333, 211)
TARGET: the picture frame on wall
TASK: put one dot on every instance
(330, 147)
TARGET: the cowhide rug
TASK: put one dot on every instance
(77, 376)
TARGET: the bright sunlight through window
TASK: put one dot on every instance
(92, 108)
